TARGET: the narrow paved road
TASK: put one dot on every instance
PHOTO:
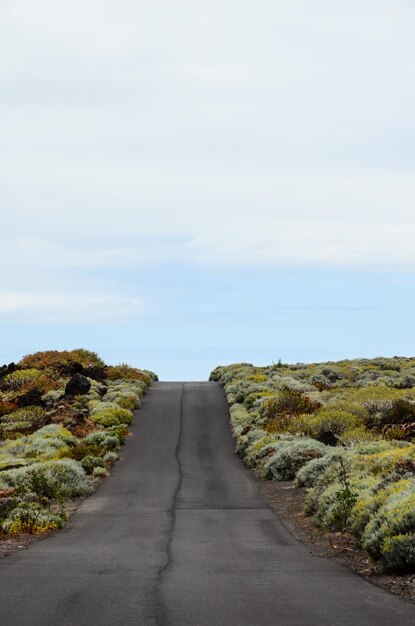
(180, 535)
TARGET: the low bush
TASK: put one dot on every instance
(120, 432)
(113, 417)
(254, 452)
(97, 406)
(327, 419)
(288, 401)
(99, 472)
(20, 378)
(89, 463)
(23, 420)
(129, 401)
(240, 419)
(30, 517)
(65, 478)
(290, 456)
(110, 457)
(390, 531)
(55, 360)
(311, 472)
(245, 441)
(125, 372)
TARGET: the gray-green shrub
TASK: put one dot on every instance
(290, 456)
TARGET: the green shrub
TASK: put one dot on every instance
(385, 462)
(96, 406)
(30, 517)
(53, 396)
(240, 419)
(374, 447)
(254, 453)
(85, 449)
(89, 463)
(31, 414)
(106, 419)
(65, 477)
(369, 501)
(126, 372)
(244, 441)
(113, 417)
(330, 419)
(311, 472)
(391, 525)
(110, 457)
(46, 448)
(254, 398)
(323, 504)
(99, 472)
(19, 378)
(55, 431)
(399, 550)
(120, 431)
(290, 456)
(288, 401)
(95, 439)
(111, 442)
(355, 436)
(128, 401)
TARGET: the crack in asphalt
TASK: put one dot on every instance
(223, 508)
(172, 512)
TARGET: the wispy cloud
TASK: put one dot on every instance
(26, 307)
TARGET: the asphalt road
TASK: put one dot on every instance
(180, 535)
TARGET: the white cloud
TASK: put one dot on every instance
(274, 133)
(27, 307)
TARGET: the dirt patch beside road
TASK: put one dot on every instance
(288, 502)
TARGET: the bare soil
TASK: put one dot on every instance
(288, 502)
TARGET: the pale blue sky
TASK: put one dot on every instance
(188, 183)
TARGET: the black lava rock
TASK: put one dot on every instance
(328, 438)
(95, 372)
(8, 369)
(71, 368)
(32, 398)
(78, 385)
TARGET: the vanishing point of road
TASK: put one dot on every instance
(180, 535)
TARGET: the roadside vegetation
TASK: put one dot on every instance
(343, 431)
(63, 418)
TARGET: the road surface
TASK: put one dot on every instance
(181, 536)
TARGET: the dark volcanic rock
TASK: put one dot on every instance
(8, 369)
(78, 385)
(91, 371)
(31, 398)
(71, 368)
(95, 372)
(328, 438)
